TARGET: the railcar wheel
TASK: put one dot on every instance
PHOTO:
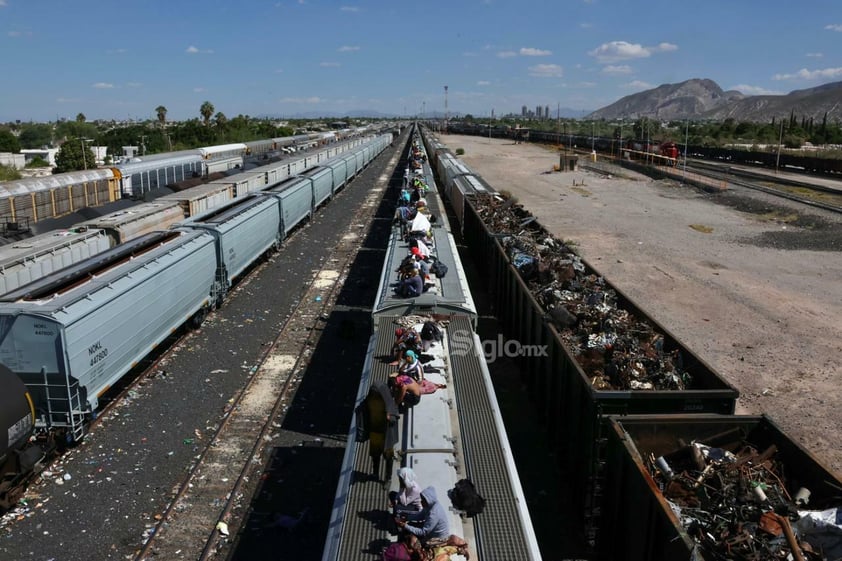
(198, 318)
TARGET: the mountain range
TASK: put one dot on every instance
(697, 99)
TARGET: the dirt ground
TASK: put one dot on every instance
(750, 283)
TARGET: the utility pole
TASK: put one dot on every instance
(143, 145)
(446, 112)
(686, 142)
(558, 123)
(780, 141)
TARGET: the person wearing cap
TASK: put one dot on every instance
(412, 366)
(406, 502)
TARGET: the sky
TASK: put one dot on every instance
(112, 59)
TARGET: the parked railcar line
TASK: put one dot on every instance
(236, 447)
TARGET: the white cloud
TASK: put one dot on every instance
(614, 69)
(753, 90)
(585, 25)
(814, 55)
(616, 51)
(506, 54)
(638, 85)
(191, 50)
(805, 74)
(347, 49)
(349, 9)
(834, 27)
(310, 100)
(483, 83)
(469, 53)
(586, 85)
(546, 71)
(102, 86)
(134, 84)
(3, 3)
(68, 100)
(529, 51)
(329, 64)
(279, 71)
(198, 90)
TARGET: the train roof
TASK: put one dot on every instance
(456, 432)
(36, 184)
(140, 165)
(86, 280)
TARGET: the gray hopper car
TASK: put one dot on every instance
(70, 336)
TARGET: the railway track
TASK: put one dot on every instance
(204, 511)
(810, 194)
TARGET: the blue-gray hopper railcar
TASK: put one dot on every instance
(73, 334)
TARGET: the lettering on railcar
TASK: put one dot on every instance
(97, 352)
(44, 329)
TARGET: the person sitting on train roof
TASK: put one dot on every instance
(406, 391)
(406, 339)
(405, 214)
(411, 366)
(435, 525)
(411, 286)
(406, 502)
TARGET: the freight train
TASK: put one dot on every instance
(454, 433)
(625, 450)
(26, 202)
(30, 258)
(69, 336)
(797, 163)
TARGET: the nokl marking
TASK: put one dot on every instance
(326, 279)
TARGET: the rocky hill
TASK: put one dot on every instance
(704, 99)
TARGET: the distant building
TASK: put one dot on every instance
(523, 111)
(538, 111)
(46, 154)
(546, 111)
(15, 161)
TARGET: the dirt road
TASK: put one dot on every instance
(751, 283)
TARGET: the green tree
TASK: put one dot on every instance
(8, 142)
(220, 119)
(37, 162)
(206, 111)
(36, 135)
(74, 155)
(80, 118)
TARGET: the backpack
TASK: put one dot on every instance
(431, 332)
(439, 269)
(396, 551)
(464, 496)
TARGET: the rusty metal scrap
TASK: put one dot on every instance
(615, 349)
(734, 505)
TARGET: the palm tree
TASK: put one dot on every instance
(206, 110)
(220, 119)
(162, 115)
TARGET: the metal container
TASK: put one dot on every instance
(71, 335)
(638, 523)
(17, 418)
(130, 223)
(296, 195)
(33, 258)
